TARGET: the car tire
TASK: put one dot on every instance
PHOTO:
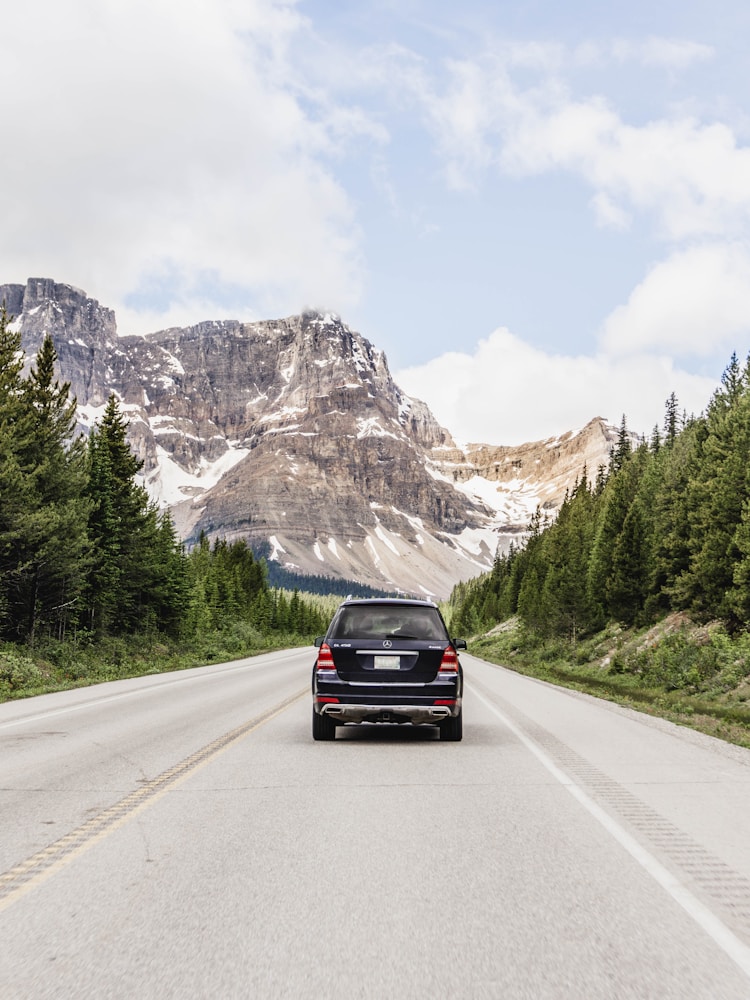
(323, 727)
(451, 729)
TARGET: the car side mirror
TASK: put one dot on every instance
(319, 640)
(459, 644)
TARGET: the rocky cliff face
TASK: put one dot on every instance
(515, 480)
(292, 434)
(85, 333)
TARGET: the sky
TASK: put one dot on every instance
(539, 210)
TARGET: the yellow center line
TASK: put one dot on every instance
(28, 874)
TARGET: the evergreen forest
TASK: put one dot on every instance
(661, 534)
(92, 573)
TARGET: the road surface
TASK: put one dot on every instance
(182, 836)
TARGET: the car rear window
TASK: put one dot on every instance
(373, 622)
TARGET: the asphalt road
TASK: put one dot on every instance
(182, 836)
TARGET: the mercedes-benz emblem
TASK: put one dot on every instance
(387, 643)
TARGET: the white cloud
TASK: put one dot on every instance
(692, 304)
(608, 213)
(461, 120)
(156, 138)
(671, 53)
(508, 392)
(692, 179)
(689, 179)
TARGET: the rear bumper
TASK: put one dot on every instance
(418, 715)
(425, 704)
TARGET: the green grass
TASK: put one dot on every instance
(57, 666)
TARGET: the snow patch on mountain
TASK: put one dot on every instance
(277, 548)
(374, 555)
(89, 415)
(515, 499)
(371, 427)
(381, 534)
(480, 543)
(170, 483)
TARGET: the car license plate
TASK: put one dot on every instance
(386, 662)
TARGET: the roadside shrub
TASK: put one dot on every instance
(715, 662)
(18, 672)
(617, 665)
(242, 637)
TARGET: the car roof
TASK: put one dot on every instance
(388, 601)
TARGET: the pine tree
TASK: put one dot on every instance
(670, 518)
(54, 526)
(16, 488)
(655, 442)
(296, 613)
(281, 619)
(137, 581)
(164, 594)
(718, 494)
(738, 597)
(531, 607)
(263, 611)
(43, 541)
(104, 531)
(671, 421)
(622, 449)
(733, 383)
(616, 501)
(627, 584)
(566, 607)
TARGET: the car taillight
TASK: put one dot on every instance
(325, 658)
(449, 663)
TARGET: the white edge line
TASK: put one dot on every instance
(708, 921)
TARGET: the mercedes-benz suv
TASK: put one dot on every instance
(387, 660)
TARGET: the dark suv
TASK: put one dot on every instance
(387, 661)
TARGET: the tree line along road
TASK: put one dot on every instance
(181, 835)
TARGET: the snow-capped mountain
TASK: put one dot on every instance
(293, 435)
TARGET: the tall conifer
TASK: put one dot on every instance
(53, 526)
(135, 583)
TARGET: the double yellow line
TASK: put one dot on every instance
(26, 875)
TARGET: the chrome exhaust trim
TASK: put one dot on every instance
(416, 714)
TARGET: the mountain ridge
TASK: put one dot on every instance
(292, 433)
